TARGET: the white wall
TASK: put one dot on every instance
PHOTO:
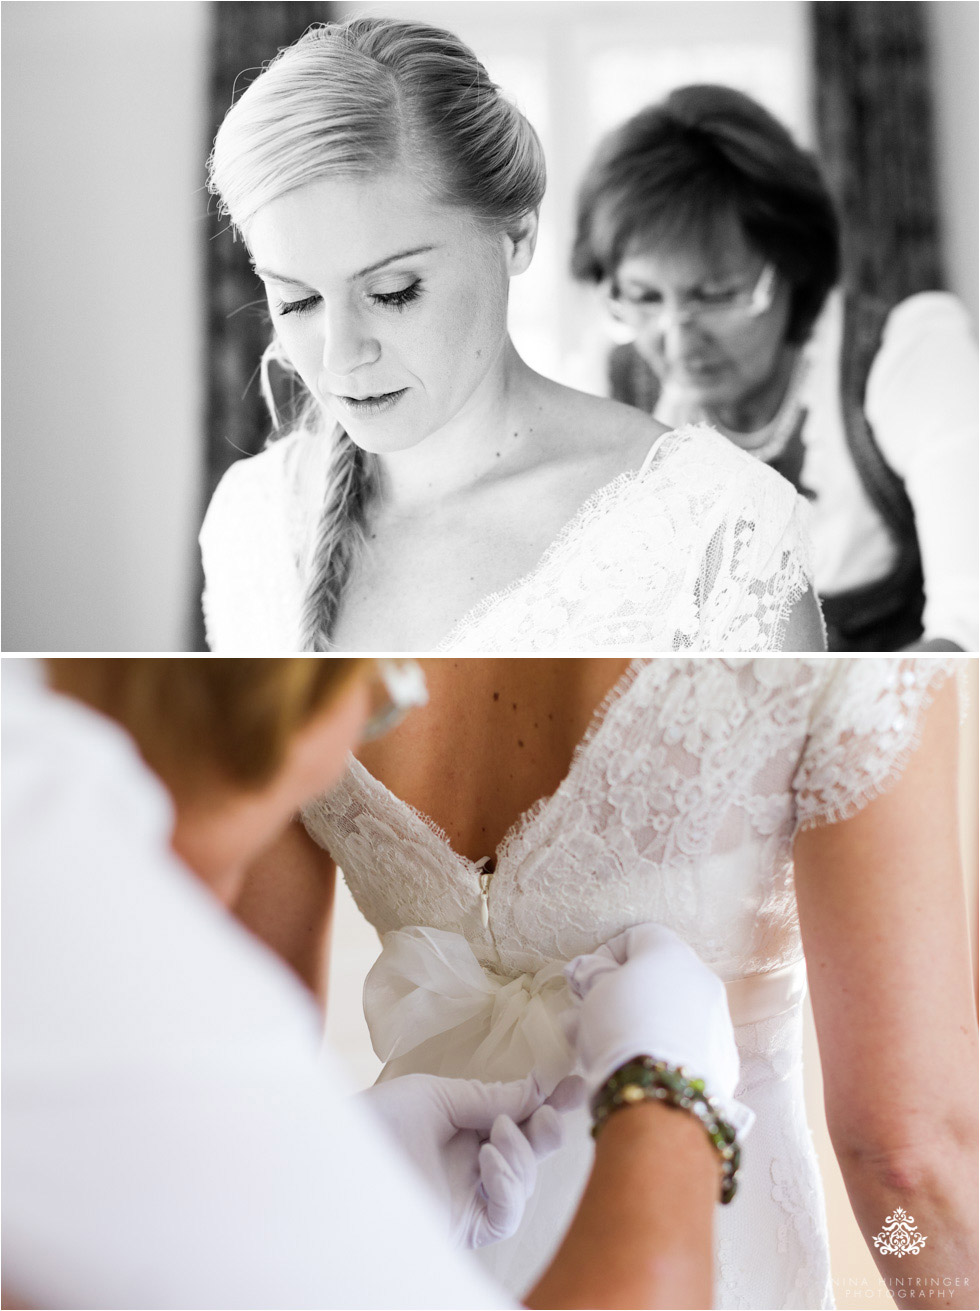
(953, 28)
(103, 142)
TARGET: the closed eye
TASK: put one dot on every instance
(296, 306)
(718, 297)
(395, 300)
(637, 296)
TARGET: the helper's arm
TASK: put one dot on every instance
(287, 901)
(642, 1235)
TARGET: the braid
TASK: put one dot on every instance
(350, 484)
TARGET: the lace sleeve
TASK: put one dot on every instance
(251, 581)
(864, 725)
(758, 562)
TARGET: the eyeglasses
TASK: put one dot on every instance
(396, 687)
(724, 309)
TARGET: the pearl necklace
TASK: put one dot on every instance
(769, 441)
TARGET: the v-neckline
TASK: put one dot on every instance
(527, 818)
(492, 600)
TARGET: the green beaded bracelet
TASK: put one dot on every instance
(645, 1079)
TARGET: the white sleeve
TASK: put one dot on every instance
(922, 406)
(172, 1135)
(759, 560)
(252, 589)
(865, 722)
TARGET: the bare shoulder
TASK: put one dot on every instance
(589, 425)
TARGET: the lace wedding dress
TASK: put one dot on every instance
(679, 807)
(702, 549)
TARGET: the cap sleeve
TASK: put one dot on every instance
(865, 723)
(758, 562)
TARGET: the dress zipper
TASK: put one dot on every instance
(486, 866)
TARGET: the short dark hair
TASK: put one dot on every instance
(678, 169)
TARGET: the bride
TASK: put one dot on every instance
(387, 193)
(769, 812)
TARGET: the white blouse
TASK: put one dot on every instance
(174, 1135)
(921, 403)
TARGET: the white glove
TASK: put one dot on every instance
(646, 993)
(478, 1144)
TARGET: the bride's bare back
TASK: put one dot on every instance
(496, 736)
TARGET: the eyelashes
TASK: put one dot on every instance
(396, 300)
(392, 300)
(296, 306)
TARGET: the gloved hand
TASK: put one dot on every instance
(478, 1144)
(645, 992)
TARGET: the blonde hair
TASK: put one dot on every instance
(352, 100)
(199, 721)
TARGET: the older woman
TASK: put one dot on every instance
(715, 241)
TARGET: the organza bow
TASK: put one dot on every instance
(432, 1007)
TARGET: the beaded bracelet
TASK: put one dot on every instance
(645, 1079)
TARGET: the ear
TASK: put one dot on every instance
(520, 242)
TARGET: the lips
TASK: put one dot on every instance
(697, 366)
(373, 403)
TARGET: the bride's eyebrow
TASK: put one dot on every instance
(390, 259)
(361, 273)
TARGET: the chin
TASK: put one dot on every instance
(715, 396)
(705, 391)
(375, 445)
(380, 431)
(377, 440)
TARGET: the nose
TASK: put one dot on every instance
(347, 343)
(674, 331)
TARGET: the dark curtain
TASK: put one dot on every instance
(243, 36)
(874, 129)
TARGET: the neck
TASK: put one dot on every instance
(480, 441)
(758, 407)
(207, 838)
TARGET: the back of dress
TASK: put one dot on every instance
(680, 807)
